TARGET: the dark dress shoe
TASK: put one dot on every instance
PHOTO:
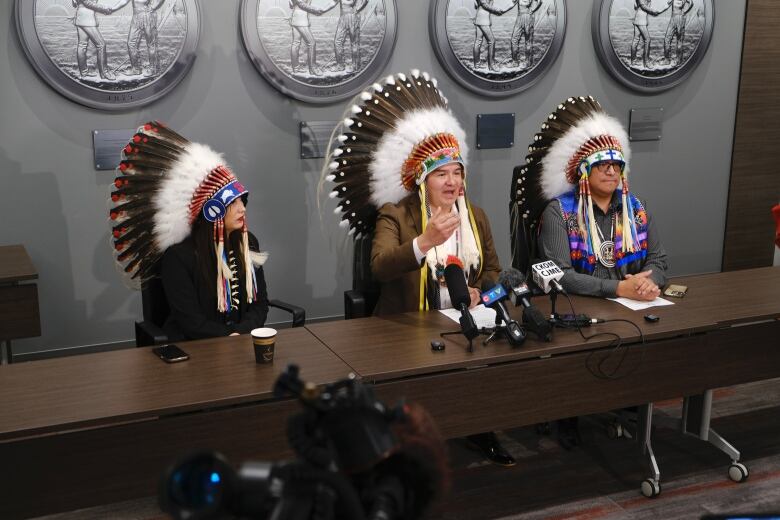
(491, 449)
(568, 433)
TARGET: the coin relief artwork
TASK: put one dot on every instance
(319, 50)
(652, 45)
(96, 51)
(497, 46)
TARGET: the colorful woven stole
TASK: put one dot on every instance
(581, 249)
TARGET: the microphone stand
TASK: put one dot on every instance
(467, 327)
(498, 329)
(452, 332)
(512, 331)
(553, 298)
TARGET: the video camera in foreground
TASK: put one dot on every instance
(356, 459)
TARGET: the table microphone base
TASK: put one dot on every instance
(469, 337)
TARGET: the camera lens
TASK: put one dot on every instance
(196, 486)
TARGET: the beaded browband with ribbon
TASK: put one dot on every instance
(429, 154)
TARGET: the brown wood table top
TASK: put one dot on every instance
(732, 297)
(133, 384)
(15, 264)
(390, 347)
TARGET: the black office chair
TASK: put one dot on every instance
(525, 211)
(156, 311)
(361, 300)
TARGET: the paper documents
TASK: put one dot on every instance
(638, 306)
(484, 317)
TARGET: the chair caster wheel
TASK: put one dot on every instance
(650, 488)
(615, 430)
(738, 472)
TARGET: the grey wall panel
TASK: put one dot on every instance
(54, 202)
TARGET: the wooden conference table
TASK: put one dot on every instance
(19, 314)
(99, 428)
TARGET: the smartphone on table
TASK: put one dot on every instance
(170, 353)
(676, 291)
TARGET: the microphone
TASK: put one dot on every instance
(546, 275)
(514, 283)
(494, 298)
(520, 294)
(459, 294)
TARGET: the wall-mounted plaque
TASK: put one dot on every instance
(495, 131)
(652, 45)
(315, 136)
(497, 47)
(645, 124)
(319, 51)
(110, 54)
(107, 146)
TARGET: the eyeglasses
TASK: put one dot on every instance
(603, 166)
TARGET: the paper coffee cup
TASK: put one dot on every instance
(264, 340)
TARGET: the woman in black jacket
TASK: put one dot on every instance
(188, 271)
(179, 212)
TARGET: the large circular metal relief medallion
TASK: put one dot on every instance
(497, 47)
(319, 51)
(110, 54)
(652, 45)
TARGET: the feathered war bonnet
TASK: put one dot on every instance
(165, 183)
(577, 135)
(392, 136)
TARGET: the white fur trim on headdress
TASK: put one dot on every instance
(172, 204)
(395, 146)
(553, 179)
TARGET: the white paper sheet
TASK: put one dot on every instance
(483, 316)
(638, 306)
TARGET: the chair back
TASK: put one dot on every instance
(154, 302)
(524, 221)
(361, 300)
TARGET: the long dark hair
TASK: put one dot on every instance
(203, 237)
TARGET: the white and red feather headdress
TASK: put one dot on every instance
(165, 183)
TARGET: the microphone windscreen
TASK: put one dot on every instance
(510, 278)
(456, 284)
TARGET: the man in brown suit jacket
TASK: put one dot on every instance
(396, 267)
(402, 244)
(405, 153)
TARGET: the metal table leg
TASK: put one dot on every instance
(650, 487)
(6, 355)
(696, 417)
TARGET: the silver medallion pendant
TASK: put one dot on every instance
(607, 253)
(110, 57)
